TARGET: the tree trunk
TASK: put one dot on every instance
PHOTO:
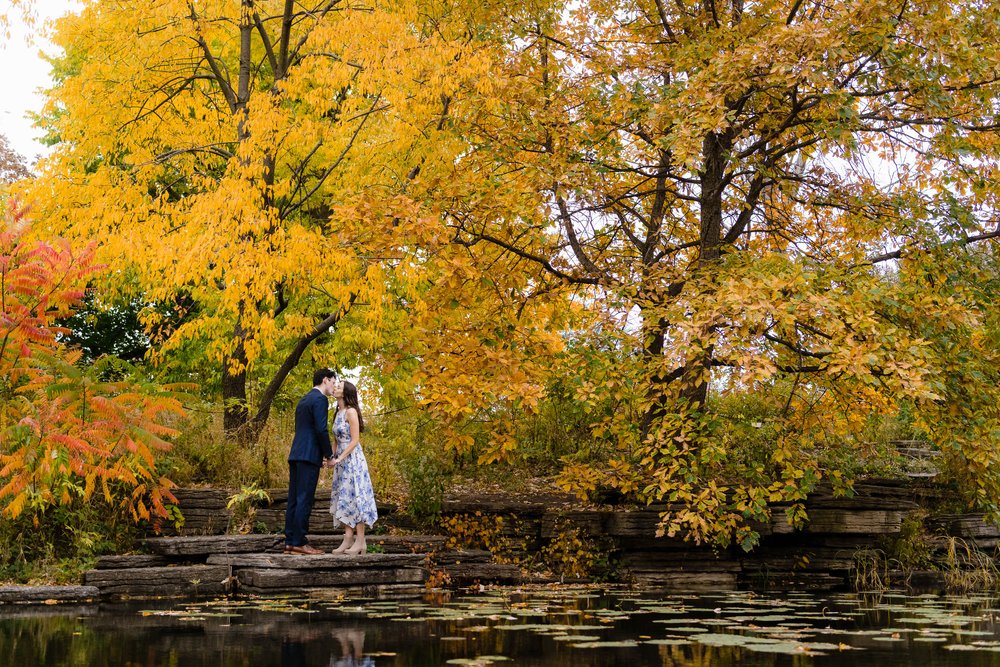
(235, 411)
(694, 389)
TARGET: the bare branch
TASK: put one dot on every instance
(220, 78)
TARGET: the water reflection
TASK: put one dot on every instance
(346, 647)
(543, 627)
(352, 642)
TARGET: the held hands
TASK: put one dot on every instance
(330, 462)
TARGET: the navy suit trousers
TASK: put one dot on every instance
(302, 479)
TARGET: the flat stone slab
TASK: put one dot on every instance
(47, 594)
(857, 522)
(201, 546)
(183, 580)
(313, 563)
(278, 579)
(973, 526)
(127, 561)
(464, 574)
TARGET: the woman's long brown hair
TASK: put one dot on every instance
(351, 401)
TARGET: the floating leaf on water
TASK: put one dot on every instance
(763, 618)
(668, 642)
(625, 643)
(576, 638)
(719, 639)
(665, 610)
(790, 648)
(787, 636)
(453, 639)
(767, 645)
(476, 628)
(688, 628)
(853, 633)
(528, 612)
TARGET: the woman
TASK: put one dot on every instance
(352, 501)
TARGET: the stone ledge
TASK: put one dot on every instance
(47, 594)
(316, 563)
(183, 580)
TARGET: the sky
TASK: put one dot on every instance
(23, 74)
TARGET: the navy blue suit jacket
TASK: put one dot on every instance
(312, 439)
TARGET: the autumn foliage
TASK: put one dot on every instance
(67, 435)
(722, 242)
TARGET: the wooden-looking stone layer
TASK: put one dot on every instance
(47, 594)
(209, 565)
(822, 554)
(170, 581)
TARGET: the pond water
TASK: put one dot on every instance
(544, 626)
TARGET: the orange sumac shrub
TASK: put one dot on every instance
(64, 434)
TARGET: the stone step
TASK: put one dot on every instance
(469, 574)
(317, 563)
(223, 564)
(259, 580)
(194, 546)
(131, 561)
(45, 594)
(151, 582)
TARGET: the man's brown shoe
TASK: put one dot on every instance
(303, 550)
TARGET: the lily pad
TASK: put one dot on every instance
(625, 643)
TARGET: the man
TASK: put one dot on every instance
(310, 450)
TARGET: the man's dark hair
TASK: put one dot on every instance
(321, 374)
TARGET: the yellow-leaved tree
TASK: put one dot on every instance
(249, 162)
(777, 198)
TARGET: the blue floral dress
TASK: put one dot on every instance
(352, 499)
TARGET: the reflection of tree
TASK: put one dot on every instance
(700, 655)
(352, 642)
